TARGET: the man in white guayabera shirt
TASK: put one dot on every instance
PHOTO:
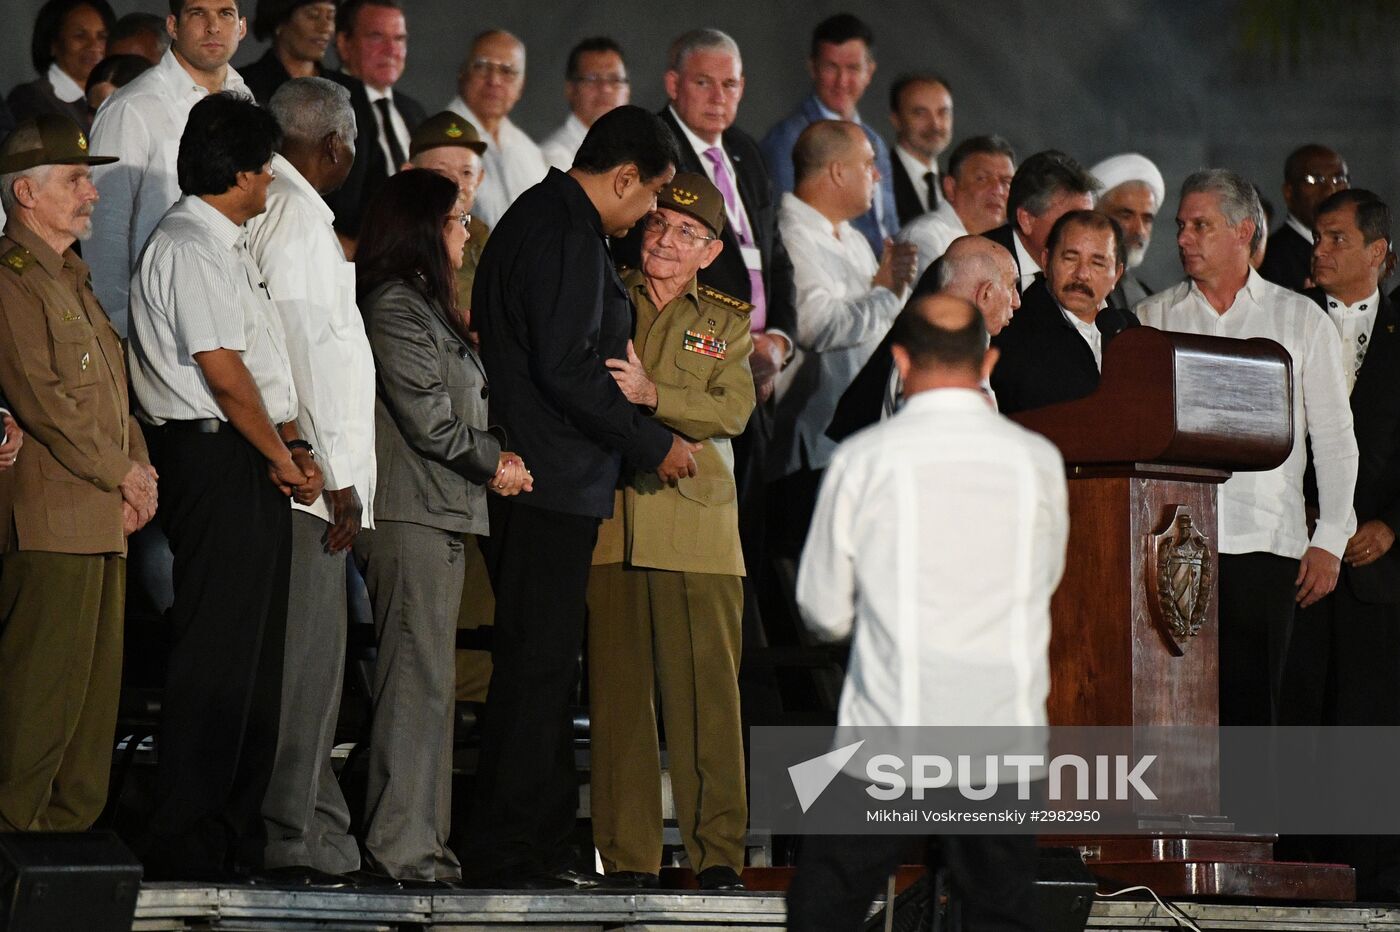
(1268, 561)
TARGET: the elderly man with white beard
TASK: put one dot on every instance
(1133, 191)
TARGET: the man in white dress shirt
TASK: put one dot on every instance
(974, 198)
(313, 290)
(141, 125)
(952, 515)
(488, 88)
(595, 81)
(1268, 560)
(921, 111)
(846, 301)
(210, 370)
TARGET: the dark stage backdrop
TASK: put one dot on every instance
(1173, 80)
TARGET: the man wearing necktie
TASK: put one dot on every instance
(921, 110)
(704, 84)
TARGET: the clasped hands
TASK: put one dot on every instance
(139, 497)
(297, 476)
(511, 476)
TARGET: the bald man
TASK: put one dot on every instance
(973, 268)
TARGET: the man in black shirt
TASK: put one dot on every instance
(550, 309)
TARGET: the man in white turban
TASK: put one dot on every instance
(1133, 190)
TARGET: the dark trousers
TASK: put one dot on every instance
(230, 533)
(1257, 601)
(839, 875)
(526, 795)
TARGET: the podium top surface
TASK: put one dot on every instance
(1180, 399)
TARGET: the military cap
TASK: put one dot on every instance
(445, 129)
(47, 139)
(692, 193)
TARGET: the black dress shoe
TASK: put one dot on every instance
(559, 880)
(632, 880)
(298, 875)
(719, 878)
(364, 877)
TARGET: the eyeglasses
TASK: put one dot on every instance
(485, 67)
(687, 234)
(464, 219)
(1333, 180)
(602, 80)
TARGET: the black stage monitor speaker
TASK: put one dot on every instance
(64, 882)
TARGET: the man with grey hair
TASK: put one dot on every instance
(1047, 186)
(488, 88)
(84, 485)
(1133, 193)
(313, 289)
(1269, 563)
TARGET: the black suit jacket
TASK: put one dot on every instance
(38, 97)
(907, 205)
(1044, 360)
(728, 273)
(371, 168)
(1375, 411)
(1006, 236)
(551, 308)
(1288, 260)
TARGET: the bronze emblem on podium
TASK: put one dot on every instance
(1180, 582)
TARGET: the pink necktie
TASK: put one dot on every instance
(758, 317)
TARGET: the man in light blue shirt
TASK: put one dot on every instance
(842, 63)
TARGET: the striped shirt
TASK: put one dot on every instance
(195, 290)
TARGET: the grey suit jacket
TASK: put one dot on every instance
(433, 450)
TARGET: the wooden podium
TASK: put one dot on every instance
(1134, 637)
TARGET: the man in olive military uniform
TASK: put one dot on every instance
(67, 506)
(449, 145)
(665, 595)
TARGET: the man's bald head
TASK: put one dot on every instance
(982, 271)
(822, 143)
(940, 342)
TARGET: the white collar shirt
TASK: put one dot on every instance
(197, 290)
(399, 127)
(1263, 511)
(1355, 323)
(1090, 333)
(511, 165)
(313, 292)
(560, 146)
(841, 319)
(937, 541)
(916, 170)
(1025, 262)
(141, 125)
(932, 233)
(64, 87)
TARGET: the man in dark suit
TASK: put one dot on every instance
(704, 84)
(1048, 185)
(372, 42)
(551, 309)
(1310, 175)
(921, 109)
(1053, 349)
(1344, 656)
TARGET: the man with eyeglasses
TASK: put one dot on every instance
(1311, 174)
(488, 88)
(595, 81)
(665, 593)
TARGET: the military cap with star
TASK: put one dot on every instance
(47, 139)
(445, 129)
(694, 194)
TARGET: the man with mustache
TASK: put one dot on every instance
(65, 511)
(921, 109)
(1132, 195)
(1052, 350)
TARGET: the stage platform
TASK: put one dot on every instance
(178, 907)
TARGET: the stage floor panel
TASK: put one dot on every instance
(167, 907)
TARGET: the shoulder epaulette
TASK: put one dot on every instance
(17, 259)
(719, 297)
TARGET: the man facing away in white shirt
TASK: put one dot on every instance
(938, 540)
(595, 81)
(1268, 560)
(974, 198)
(141, 125)
(313, 290)
(488, 88)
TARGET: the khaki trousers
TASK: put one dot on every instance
(680, 631)
(60, 676)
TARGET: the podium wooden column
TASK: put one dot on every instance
(1135, 619)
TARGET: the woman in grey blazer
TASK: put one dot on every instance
(436, 458)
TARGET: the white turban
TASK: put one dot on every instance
(1130, 166)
